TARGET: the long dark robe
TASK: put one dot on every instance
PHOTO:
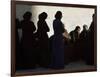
(75, 45)
(90, 54)
(84, 45)
(28, 28)
(18, 54)
(58, 45)
(43, 43)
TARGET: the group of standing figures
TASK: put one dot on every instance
(36, 49)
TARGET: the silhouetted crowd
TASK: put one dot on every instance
(35, 49)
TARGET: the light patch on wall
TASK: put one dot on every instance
(71, 16)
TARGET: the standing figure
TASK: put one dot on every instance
(75, 34)
(84, 33)
(84, 48)
(18, 54)
(58, 43)
(43, 40)
(92, 29)
(75, 43)
(28, 28)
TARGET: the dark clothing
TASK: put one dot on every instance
(28, 28)
(58, 45)
(18, 54)
(90, 56)
(84, 35)
(74, 36)
(84, 47)
(42, 30)
(75, 45)
(43, 43)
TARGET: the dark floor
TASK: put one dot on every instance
(71, 67)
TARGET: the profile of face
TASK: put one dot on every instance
(58, 15)
(85, 27)
(77, 29)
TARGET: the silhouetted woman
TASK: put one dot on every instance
(75, 34)
(28, 28)
(84, 42)
(91, 43)
(58, 44)
(18, 54)
(43, 51)
(75, 44)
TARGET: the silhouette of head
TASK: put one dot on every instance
(58, 15)
(27, 15)
(77, 29)
(43, 16)
(85, 27)
(93, 16)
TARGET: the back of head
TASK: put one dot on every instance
(27, 15)
(77, 27)
(58, 15)
(43, 16)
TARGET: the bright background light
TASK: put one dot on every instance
(71, 16)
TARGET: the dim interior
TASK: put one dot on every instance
(75, 54)
(72, 16)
